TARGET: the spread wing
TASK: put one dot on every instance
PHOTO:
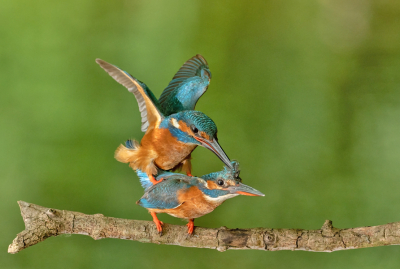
(186, 87)
(148, 105)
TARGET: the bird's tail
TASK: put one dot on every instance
(136, 156)
(127, 153)
(144, 179)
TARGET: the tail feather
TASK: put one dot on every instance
(136, 156)
(131, 144)
(127, 154)
(144, 179)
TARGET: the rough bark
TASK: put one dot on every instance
(42, 222)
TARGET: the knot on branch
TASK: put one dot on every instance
(328, 230)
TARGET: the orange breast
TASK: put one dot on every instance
(169, 150)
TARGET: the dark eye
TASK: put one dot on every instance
(194, 129)
(220, 182)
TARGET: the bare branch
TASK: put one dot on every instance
(42, 222)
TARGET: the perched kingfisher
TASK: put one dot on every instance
(188, 197)
(172, 128)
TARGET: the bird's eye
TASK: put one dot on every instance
(220, 182)
(194, 129)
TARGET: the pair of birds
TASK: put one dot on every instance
(173, 129)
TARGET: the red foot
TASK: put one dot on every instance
(158, 223)
(154, 180)
(189, 174)
(190, 226)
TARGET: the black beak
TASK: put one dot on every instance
(216, 148)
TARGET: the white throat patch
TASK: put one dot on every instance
(220, 199)
(175, 123)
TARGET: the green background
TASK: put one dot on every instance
(305, 95)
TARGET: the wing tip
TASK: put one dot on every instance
(201, 58)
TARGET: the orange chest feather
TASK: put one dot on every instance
(169, 150)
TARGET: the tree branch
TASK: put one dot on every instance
(42, 222)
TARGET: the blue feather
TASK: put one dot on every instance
(164, 195)
(186, 87)
(144, 179)
(190, 117)
(130, 144)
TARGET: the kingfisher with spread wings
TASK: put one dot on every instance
(173, 129)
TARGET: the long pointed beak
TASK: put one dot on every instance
(216, 148)
(245, 190)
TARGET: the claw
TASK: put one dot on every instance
(189, 174)
(154, 180)
(158, 223)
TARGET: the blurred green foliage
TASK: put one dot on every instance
(305, 95)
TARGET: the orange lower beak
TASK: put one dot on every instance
(246, 193)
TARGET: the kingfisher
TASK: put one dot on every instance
(172, 128)
(189, 197)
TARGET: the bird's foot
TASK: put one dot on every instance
(189, 174)
(158, 223)
(190, 226)
(154, 180)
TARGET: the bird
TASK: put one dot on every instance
(189, 197)
(169, 139)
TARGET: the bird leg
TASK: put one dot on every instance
(158, 223)
(190, 226)
(154, 180)
(187, 165)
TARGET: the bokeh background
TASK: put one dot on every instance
(305, 93)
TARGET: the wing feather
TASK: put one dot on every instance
(186, 87)
(164, 195)
(151, 116)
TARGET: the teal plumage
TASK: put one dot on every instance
(169, 138)
(186, 87)
(190, 197)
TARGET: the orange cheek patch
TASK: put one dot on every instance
(183, 126)
(204, 135)
(211, 185)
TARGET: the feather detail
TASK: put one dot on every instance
(185, 165)
(151, 116)
(137, 157)
(186, 87)
(144, 179)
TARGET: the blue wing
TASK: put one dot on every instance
(164, 195)
(144, 178)
(186, 87)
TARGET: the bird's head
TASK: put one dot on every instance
(197, 128)
(227, 184)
